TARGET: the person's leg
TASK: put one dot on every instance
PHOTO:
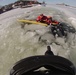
(53, 30)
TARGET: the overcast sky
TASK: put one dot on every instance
(69, 2)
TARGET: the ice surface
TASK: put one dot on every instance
(17, 43)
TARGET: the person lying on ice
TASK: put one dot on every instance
(52, 23)
(46, 19)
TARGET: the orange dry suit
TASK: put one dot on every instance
(43, 19)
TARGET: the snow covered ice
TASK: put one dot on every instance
(17, 43)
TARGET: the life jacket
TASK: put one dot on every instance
(43, 19)
(38, 18)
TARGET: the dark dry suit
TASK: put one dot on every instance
(58, 29)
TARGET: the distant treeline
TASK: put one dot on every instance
(18, 4)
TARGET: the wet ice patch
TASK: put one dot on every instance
(71, 39)
(47, 38)
(73, 21)
(42, 31)
(60, 40)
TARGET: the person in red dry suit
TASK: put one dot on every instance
(43, 19)
(49, 21)
(46, 19)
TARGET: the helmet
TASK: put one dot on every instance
(41, 15)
